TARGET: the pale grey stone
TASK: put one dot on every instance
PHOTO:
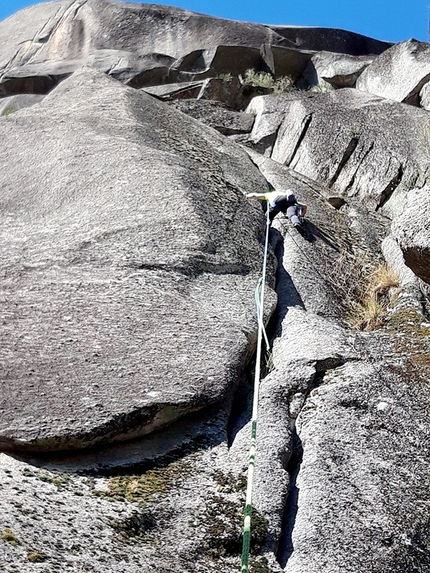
(338, 70)
(93, 258)
(339, 139)
(130, 258)
(411, 229)
(13, 103)
(399, 73)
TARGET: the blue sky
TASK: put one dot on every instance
(393, 21)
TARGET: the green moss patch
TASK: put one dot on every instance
(8, 535)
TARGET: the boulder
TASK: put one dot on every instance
(13, 103)
(218, 61)
(425, 96)
(399, 73)
(24, 81)
(234, 92)
(341, 139)
(361, 433)
(338, 70)
(123, 309)
(230, 91)
(180, 90)
(136, 71)
(411, 229)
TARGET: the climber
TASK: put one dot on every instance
(283, 202)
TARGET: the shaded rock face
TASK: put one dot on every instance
(130, 259)
(340, 41)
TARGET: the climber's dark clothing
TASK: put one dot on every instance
(283, 203)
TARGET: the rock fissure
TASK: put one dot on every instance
(304, 129)
(390, 188)
(351, 147)
(129, 271)
(285, 545)
(358, 166)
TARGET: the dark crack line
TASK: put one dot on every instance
(390, 188)
(360, 163)
(307, 123)
(286, 547)
(351, 147)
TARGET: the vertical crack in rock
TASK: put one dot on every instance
(358, 166)
(352, 145)
(390, 188)
(240, 411)
(413, 98)
(286, 547)
(306, 124)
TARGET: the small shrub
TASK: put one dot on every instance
(259, 79)
(383, 279)
(283, 85)
(225, 77)
(371, 310)
(322, 87)
(266, 80)
(7, 112)
(370, 315)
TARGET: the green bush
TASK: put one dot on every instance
(266, 80)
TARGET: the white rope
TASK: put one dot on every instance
(253, 445)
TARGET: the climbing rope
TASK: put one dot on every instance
(259, 297)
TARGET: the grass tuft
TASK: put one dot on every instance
(370, 311)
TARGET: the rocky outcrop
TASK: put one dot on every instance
(399, 73)
(146, 45)
(80, 282)
(331, 40)
(336, 138)
(217, 115)
(14, 103)
(130, 263)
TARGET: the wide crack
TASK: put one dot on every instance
(286, 547)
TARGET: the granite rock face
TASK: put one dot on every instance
(336, 70)
(111, 222)
(399, 73)
(336, 138)
(148, 44)
(130, 261)
(412, 231)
